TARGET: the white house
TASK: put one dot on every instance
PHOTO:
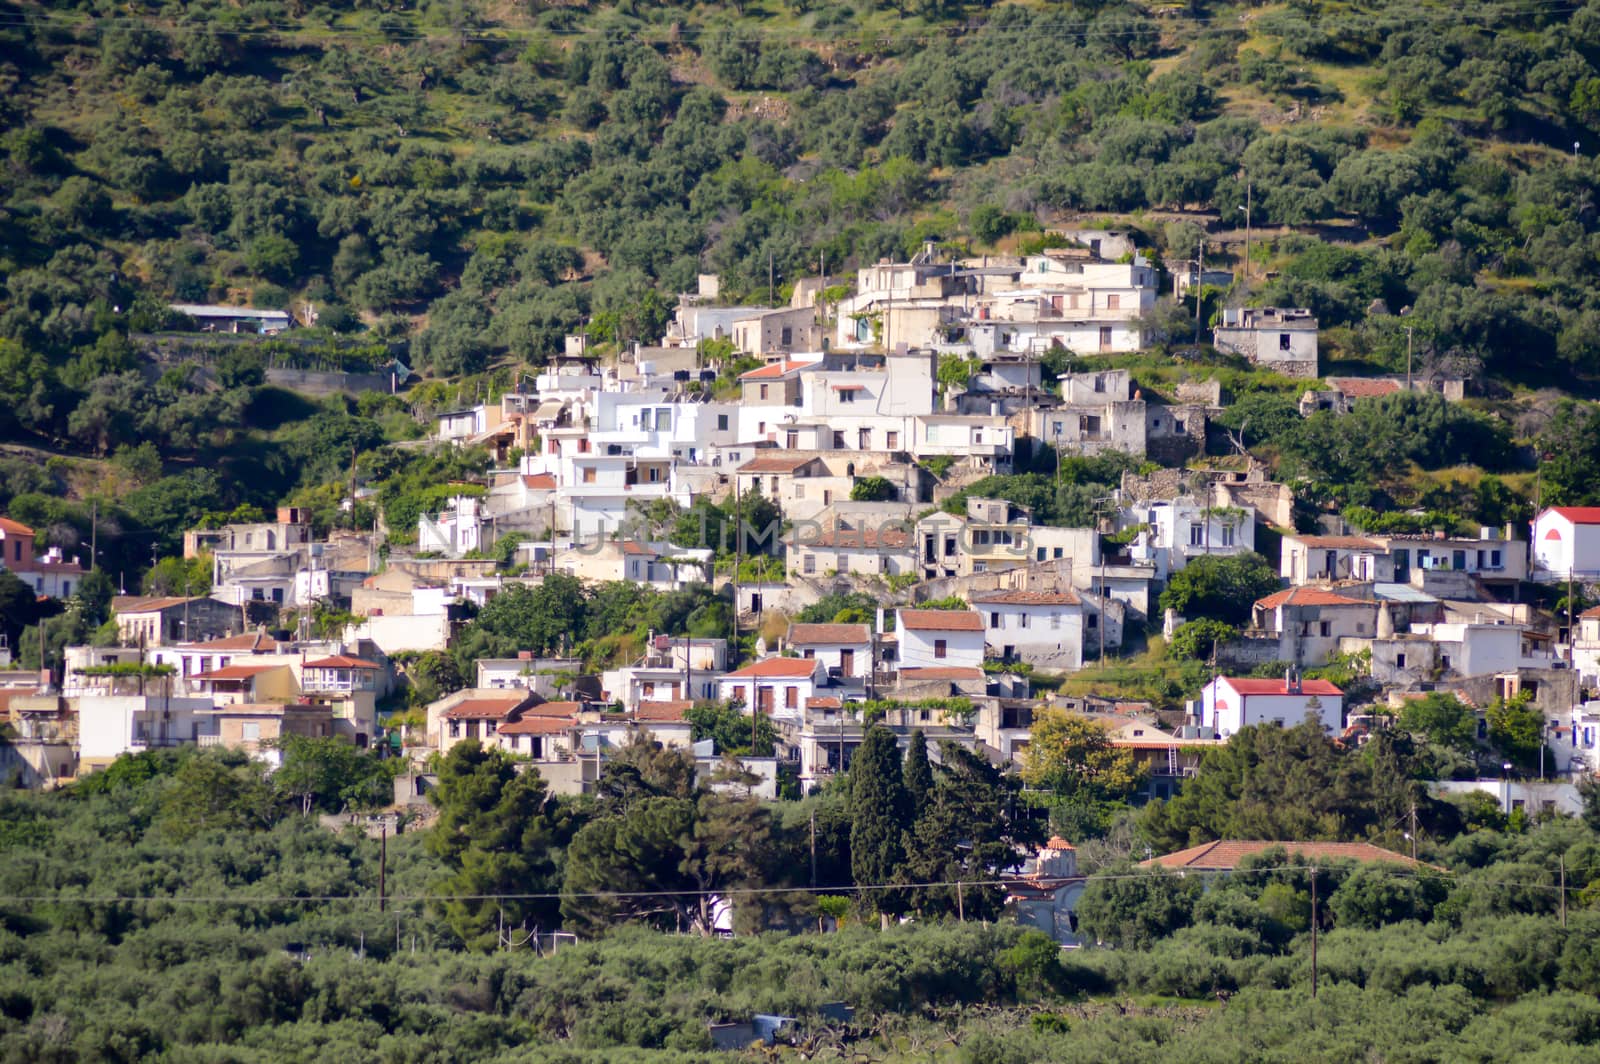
(1566, 542)
(777, 687)
(1042, 628)
(1180, 530)
(845, 650)
(1228, 703)
(940, 639)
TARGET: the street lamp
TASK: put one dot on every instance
(1505, 784)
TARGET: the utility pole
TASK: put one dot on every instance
(1413, 829)
(1199, 288)
(1248, 204)
(770, 278)
(383, 865)
(1408, 358)
(813, 848)
(94, 535)
(1563, 860)
(1313, 931)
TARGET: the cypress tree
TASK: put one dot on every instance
(918, 773)
(879, 815)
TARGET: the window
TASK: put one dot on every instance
(1494, 559)
(1038, 554)
(1399, 661)
(1022, 620)
(809, 565)
(1325, 628)
(1177, 426)
(588, 476)
(1113, 302)
(1283, 341)
(940, 648)
(847, 396)
(1197, 535)
(1092, 622)
(773, 483)
(791, 697)
(891, 440)
(994, 620)
(763, 391)
(1227, 535)
(1055, 622)
(1060, 552)
(250, 730)
(838, 441)
(16, 550)
(722, 422)
(786, 337)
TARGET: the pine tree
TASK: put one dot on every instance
(880, 815)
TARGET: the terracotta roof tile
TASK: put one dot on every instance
(791, 668)
(829, 634)
(237, 672)
(1578, 515)
(340, 661)
(942, 672)
(1225, 855)
(14, 528)
(773, 370)
(1337, 542)
(1308, 596)
(254, 642)
(941, 620)
(539, 481)
(1277, 686)
(827, 702)
(146, 603)
(530, 725)
(482, 708)
(1365, 387)
(775, 463)
(665, 712)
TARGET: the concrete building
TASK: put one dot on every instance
(1041, 628)
(1276, 338)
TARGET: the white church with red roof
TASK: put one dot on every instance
(1566, 542)
(1230, 703)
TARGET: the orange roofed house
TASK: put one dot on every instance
(1225, 855)
(1230, 703)
(53, 575)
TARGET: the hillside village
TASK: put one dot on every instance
(848, 431)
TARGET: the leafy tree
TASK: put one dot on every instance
(1133, 908)
(730, 728)
(1220, 588)
(1072, 756)
(331, 775)
(871, 489)
(1197, 638)
(1516, 728)
(1443, 719)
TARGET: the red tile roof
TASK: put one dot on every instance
(1225, 855)
(339, 661)
(1308, 596)
(1277, 686)
(773, 370)
(772, 668)
(825, 703)
(941, 620)
(830, 634)
(1026, 598)
(775, 463)
(1365, 387)
(14, 528)
(237, 672)
(942, 672)
(1058, 843)
(1592, 611)
(664, 712)
(536, 726)
(554, 709)
(254, 642)
(630, 546)
(539, 481)
(1578, 515)
(482, 708)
